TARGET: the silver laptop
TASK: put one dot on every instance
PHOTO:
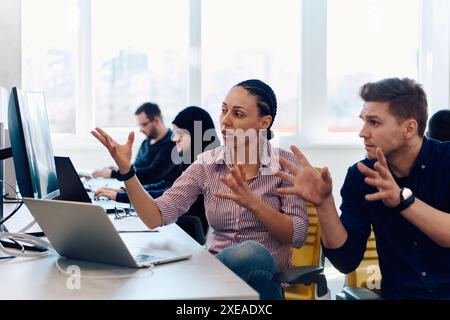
(83, 231)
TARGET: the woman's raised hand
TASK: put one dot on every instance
(121, 153)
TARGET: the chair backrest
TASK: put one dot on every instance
(194, 222)
(193, 227)
(308, 255)
(368, 274)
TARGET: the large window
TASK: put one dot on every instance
(368, 40)
(252, 39)
(50, 57)
(139, 53)
(98, 60)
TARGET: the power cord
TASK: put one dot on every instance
(42, 247)
(11, 243)
(12, 213)
(17, 201)
(7, 199)
(20, 244)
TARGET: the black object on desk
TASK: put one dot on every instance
(13, 245)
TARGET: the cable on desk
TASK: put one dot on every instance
(7, 199)
(6, 258)
(19, 204)
(17, 201)
(44, 246)
(13, 247)
(12, 213)
(11, 243)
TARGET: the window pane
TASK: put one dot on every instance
(252, 39)
(367, 40)
(50, 57)
(139, 53)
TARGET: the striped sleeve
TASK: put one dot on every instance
(295, 208)
(178, 199)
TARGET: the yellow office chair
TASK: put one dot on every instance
(306, 278)
(364, 282)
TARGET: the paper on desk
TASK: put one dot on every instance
(130, 224)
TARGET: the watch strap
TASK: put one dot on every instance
(404, 203)
(126, 176)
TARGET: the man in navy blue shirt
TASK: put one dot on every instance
(153, 160)
(402, 190)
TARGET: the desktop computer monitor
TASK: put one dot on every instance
(31, 145)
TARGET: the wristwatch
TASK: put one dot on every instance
(406, 199)
(126, 176)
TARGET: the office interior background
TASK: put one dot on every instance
(98, 60)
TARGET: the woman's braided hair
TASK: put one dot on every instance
(266, 99)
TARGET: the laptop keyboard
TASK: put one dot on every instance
(145, 258)
(107, 204)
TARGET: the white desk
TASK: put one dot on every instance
(200, 277)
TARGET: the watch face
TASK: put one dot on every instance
(406, 193)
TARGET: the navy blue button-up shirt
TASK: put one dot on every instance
(412, 265)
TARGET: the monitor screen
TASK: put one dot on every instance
(32, 145)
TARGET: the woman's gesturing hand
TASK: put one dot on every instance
(121, 153)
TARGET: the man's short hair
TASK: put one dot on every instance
(406, 99)
(439, 126)
(151, 110)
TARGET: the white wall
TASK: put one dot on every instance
(10, 43)
(10, 64)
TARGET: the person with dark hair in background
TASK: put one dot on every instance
(184, 126)
(439, 126)
(253, 227)
(401, 190)
(153, 160)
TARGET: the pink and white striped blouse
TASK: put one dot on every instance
(232, 224)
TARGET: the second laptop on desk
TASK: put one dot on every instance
(83, 231)
(72, 189)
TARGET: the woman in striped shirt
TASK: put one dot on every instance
(253, 225)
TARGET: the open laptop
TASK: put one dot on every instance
(72, 189)
(83, 231)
